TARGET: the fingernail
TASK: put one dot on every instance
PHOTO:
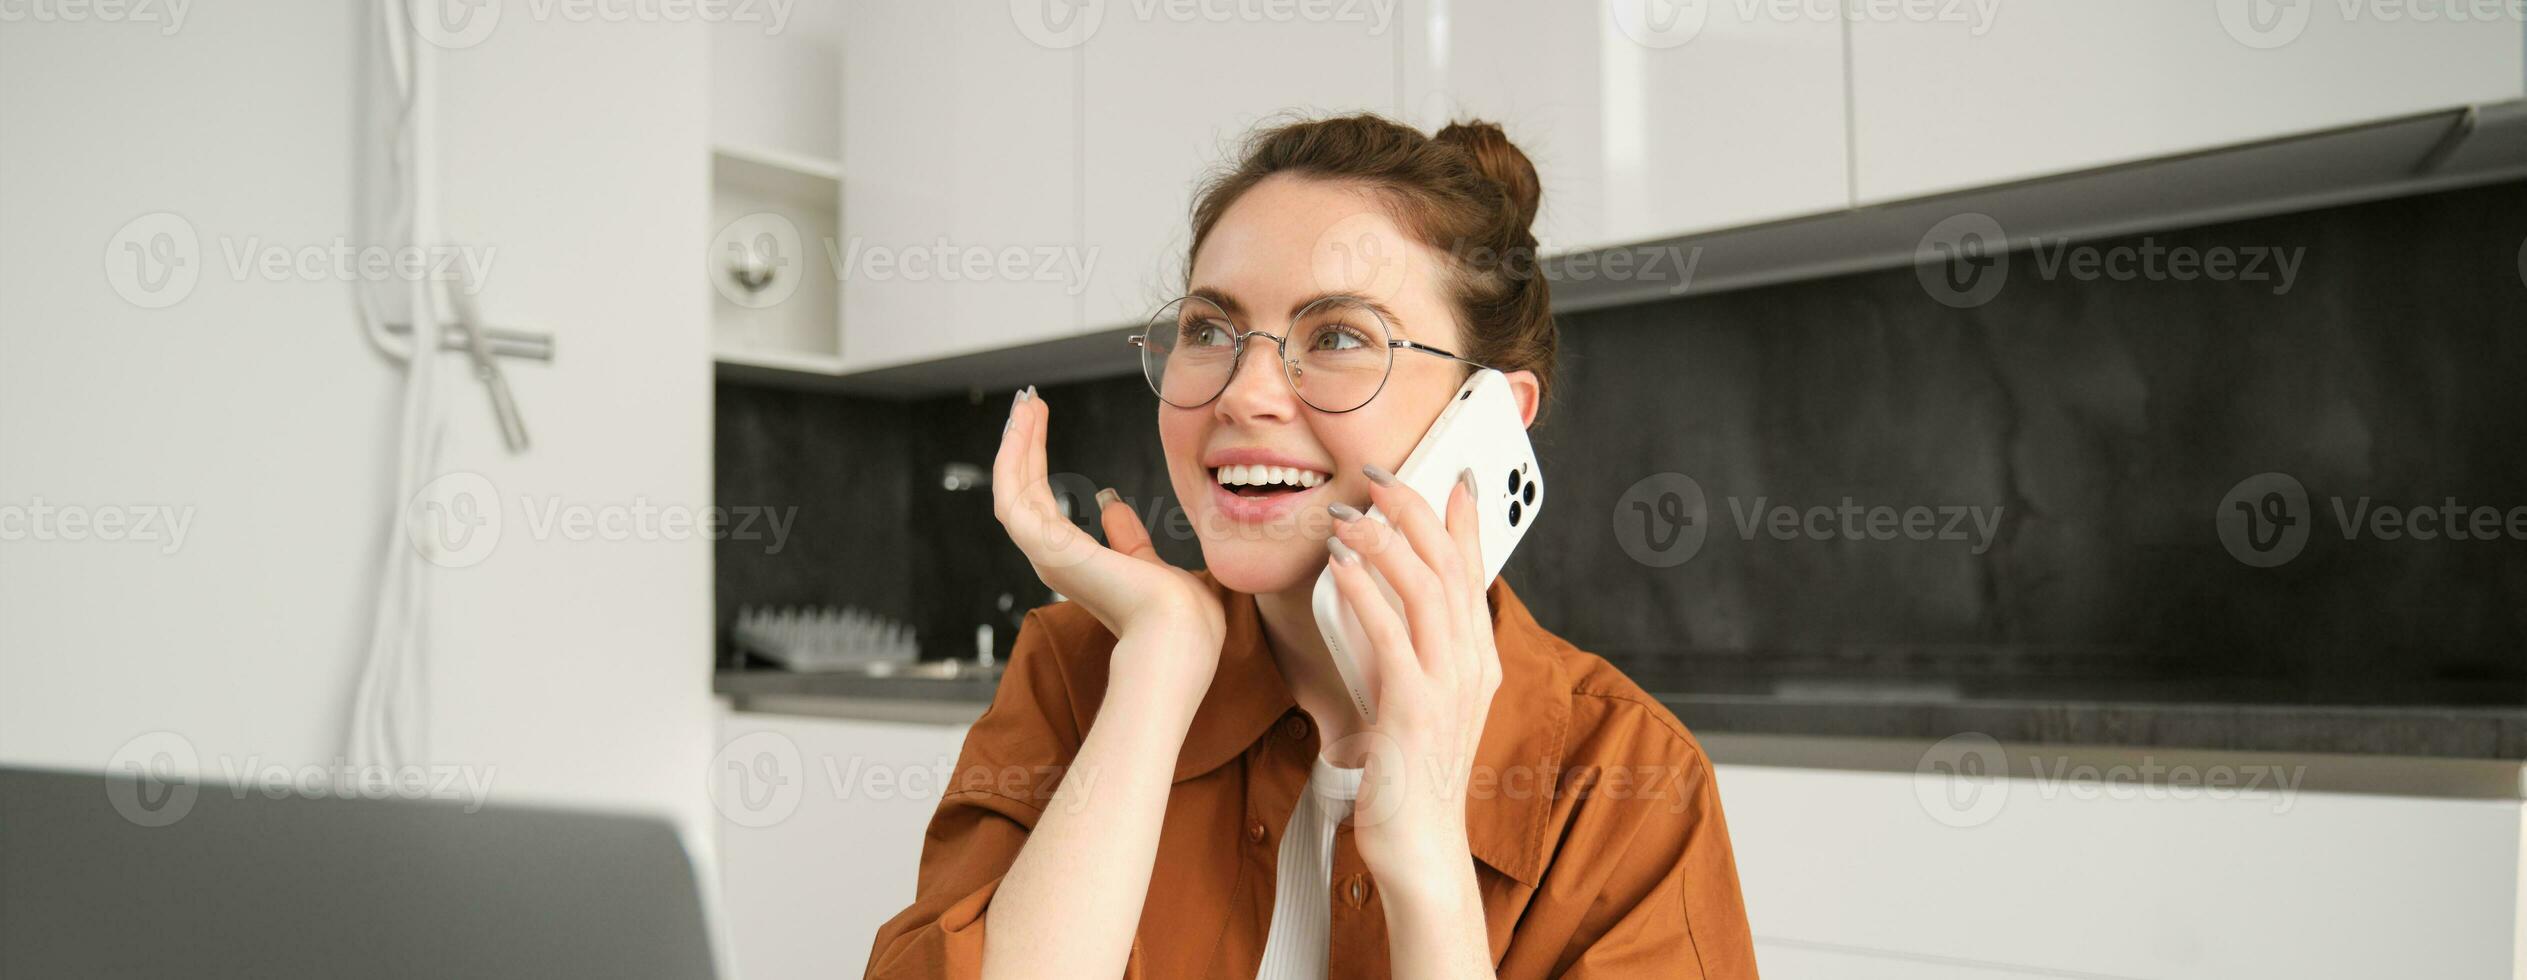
(1342, 552)
(1466, 476)
(1014, 402)
(1378, 473)
(1031, 395)
(1343, 511)
(1108, 498)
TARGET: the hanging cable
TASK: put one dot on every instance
(389, 711)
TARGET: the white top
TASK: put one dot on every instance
(1301, 931)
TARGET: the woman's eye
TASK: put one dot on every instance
(1338, 337)
(1206, 333)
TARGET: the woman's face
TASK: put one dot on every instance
(1286, 243)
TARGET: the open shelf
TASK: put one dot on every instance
(814, 181)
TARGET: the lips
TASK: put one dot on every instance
(1253, 485)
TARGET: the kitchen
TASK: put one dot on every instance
(2056, 459)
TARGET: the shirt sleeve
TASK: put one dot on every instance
(1670, 906)
(1011, 763)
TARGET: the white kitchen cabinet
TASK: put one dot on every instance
(959, 193)
(1879, 874)
(821, 823)
(1646, 119)
(1166, 99)
(2044, 87)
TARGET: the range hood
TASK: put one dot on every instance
(2414, 155)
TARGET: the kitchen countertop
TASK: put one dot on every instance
(2464, 724)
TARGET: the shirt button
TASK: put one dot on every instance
(1357, 891)
(1255, 832)
(1294, 727)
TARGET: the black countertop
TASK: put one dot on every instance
(2455, 722)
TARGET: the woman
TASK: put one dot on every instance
(1171, 780)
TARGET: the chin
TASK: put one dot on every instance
(1263, 567)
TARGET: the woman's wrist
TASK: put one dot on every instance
(1161, 670)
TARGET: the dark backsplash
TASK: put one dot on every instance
(2092, 425)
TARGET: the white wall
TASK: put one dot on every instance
(567, 670)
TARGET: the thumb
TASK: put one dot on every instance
(1124, 532)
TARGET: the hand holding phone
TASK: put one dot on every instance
(1481, 429)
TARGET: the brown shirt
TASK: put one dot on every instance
(1595, 825)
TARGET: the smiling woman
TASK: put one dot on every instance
(1519, 808)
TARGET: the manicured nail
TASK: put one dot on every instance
(1014, 401)
(1108, 498)
(1031, 395)
(1466, 476)
(1342, 552)
(1378, 473)
(1343, 511)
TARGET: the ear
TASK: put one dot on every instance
(1523, 384)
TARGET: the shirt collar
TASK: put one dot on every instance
(1515, 765)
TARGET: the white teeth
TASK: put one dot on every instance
(1258, 475)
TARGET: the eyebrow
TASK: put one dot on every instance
(1229, 305)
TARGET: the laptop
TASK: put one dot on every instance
(96, 880)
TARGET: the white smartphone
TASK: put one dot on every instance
(1480, 430)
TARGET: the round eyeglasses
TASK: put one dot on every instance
(1337, 355)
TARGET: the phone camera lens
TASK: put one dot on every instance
(1513, 483)
(1529, 492)
(1513, 513)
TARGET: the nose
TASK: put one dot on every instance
(1257, 391)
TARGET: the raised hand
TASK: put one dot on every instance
(1124, 583)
